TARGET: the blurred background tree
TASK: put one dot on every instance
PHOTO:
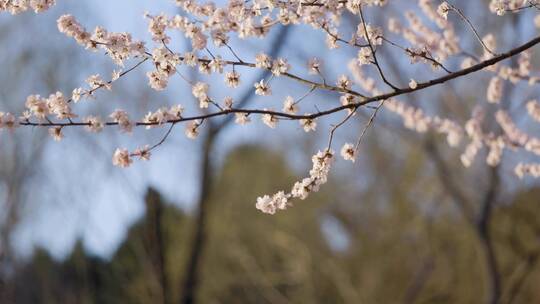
(21, 158)
(433, 257)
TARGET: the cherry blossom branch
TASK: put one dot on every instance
(400, 91)
(530, 5)
(368, 124)
(110, 82)
(372, 49)
(254, 19)
(335, 127)
(471, 26)
(425, 55)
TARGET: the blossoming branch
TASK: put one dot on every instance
(436, 45)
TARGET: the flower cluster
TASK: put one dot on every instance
(119, 46)
(165, 63)
(473, 127)
(18, 6)
(162, 116)
(41, 108)
(122, 158)
(415, 119)
(533, 107)
(501, 7)
(512, 138)
(495, 90)
(522, 170)
(318, 175)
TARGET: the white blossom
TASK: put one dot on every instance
(262, 88)
(263, 61)
(121, 158)
(443, 10)
(495, 90)
(348, 152)
(413, 84)
(289, 106)
(314, 66)
(143, 153)
(95, 124)
(56, 133)
(309, 124)
(192, 129)
(365, 56)
(280, 66)
(523, 169)
(232, 79)
(242, 118)
(122, 118)
(270, 120)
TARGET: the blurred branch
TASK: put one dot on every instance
(157, 243)
(253, 270)
(486, 241)
(419, 281)
(480, 223)
(528, 267)
(447, 182)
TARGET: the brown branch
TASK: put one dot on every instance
(334, 128)
(473, 29)
(412, 53)
(515, 288)
(448, 183)
(367, 125)
(376, 62)
(421, 86)
(91, 91)
(494, 287)
(419, 281)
